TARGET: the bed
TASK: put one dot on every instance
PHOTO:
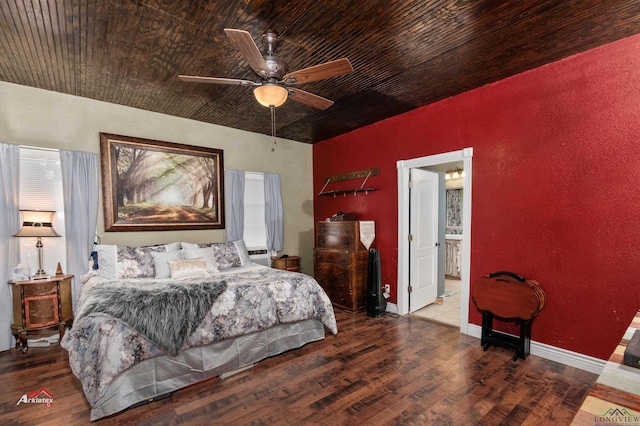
(152, 320)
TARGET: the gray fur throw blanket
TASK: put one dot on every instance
(165, 313)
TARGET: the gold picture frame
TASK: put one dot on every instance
(150, 185)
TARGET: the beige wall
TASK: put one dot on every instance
(43, 118)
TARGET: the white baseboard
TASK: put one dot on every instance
(563, 356)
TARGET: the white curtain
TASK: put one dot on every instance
(80, 187)
(234, 204)
(9, 225)
(274, 218)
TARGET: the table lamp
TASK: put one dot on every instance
(37, 223)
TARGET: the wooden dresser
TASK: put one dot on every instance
(341, 264)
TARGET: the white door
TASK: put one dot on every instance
(423, 225)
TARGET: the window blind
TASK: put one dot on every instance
(41, 189)
(255, 234)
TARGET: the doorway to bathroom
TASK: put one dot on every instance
(446, 308)
(452, 304)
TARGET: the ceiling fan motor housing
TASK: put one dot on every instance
(277, 67)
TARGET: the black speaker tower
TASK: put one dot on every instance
(376, 303)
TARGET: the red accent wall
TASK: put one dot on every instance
(556, 186)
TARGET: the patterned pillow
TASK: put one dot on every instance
(226, 255)
(137, 262)
(188, 268)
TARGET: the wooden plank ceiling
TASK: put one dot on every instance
(405, 53)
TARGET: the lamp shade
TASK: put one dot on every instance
(270, 94)
(37, 223)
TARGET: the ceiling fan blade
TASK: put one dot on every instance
(309, 98)
(243, 41)
(319, 72)
(216, 80)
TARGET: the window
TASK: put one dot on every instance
(41, 189)
(255, 233)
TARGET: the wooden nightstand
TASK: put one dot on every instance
(40, 305)
(291, 263)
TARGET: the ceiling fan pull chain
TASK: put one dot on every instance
(273, 125)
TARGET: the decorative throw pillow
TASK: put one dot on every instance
(205, 253)
(161, 261)
(226, 255)
(136, 262)
(188, 268)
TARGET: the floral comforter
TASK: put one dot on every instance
(101, 347)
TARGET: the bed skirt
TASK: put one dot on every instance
(159, 376)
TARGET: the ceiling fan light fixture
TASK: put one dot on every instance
(271, 94)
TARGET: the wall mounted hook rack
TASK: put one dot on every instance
(366, 174)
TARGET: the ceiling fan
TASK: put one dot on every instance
(275, 81)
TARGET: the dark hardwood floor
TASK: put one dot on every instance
(376, 371)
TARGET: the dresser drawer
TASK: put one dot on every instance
(331, 270)
(339, 236)
(342, 259)
(338, 290)
(44, 288)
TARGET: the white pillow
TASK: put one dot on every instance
(107, 260)
(187, 268)
(173, 246)
(243, 253)
(205, 253)
(189, 246)
(161, 260)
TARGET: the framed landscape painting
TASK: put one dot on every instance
(150, 185)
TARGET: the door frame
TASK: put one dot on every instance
(404, 167)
